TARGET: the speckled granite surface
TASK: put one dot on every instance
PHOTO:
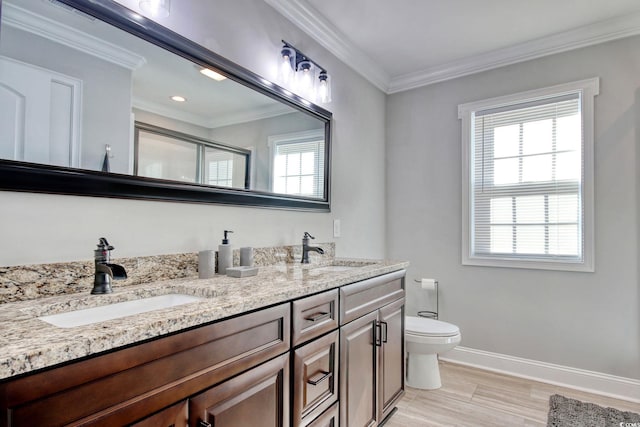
(21, 283)
(29, 343)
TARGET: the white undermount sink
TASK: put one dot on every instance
(88, 316)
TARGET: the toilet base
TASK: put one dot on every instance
(423, 371)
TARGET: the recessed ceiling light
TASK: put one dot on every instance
(179, 98)
(212, 74)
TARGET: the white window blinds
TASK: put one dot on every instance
(526, 183)
(527, 180)
(298, 168)
(219, 168)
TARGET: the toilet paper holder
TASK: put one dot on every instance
(428, 313)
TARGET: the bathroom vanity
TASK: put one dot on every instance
(317, 345)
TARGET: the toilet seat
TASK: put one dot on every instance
(424, 327)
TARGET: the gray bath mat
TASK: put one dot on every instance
(565, 412)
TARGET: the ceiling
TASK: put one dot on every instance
(403, 44)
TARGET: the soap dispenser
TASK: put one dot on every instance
(225, 254)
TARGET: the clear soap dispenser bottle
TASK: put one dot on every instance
(225, 254)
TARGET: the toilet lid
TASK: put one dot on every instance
(429, 327)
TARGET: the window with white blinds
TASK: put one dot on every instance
(298, 164)
(220, 171)
(529, 180)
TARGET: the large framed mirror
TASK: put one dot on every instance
(98, 100)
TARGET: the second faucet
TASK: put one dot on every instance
(306, 248)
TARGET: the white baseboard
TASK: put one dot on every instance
(589, 381)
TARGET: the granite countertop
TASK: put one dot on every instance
(29, 344)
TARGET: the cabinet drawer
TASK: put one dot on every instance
(314, 316)
(363, 297)
(315, 378)
(329, 418)
(121, 387)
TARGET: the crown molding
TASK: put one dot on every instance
(588, 35)
(250, 115)
(300, 13)
(39, 25)
(309, 20)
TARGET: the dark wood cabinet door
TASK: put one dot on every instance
(391, 358)
(258, 397)
(358, 366)
(174, 416)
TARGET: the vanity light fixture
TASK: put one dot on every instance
(212, 74)
(178, 98)
(156, 8)
(303, 75)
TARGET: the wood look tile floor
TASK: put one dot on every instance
(474, 397)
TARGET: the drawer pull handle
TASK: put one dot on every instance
(316, 317)
(204, 424)
(384, 328)
(319, 377)
(377, 333)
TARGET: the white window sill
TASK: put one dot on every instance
(585, 267)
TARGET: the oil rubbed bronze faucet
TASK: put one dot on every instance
(306, 248)
(105, 271)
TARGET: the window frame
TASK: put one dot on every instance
(588, 89)
(200, 145)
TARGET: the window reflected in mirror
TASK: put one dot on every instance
(165, 154)
(298, 164)
(224, 168)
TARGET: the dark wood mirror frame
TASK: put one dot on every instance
(38, 178)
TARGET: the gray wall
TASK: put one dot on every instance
(51, 228)
(583, 320)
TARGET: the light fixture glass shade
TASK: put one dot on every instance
(156, 8)
(287, 65)
(306, 79)
(323, 91)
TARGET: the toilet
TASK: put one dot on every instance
(424, 339)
